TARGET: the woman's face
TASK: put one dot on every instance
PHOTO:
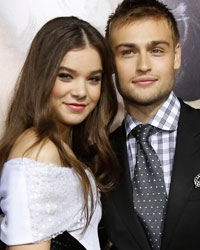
(78, 86)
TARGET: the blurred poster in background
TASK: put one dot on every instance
(21, 19)
(187, 13)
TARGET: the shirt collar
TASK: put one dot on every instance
(166, 117)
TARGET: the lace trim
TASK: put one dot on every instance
(55, 199)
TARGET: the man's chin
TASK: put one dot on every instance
(148, 101)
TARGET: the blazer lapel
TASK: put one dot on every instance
(123, 195)
(185, 168)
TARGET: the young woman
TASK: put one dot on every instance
(55, 152)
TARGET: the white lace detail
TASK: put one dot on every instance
(55, 199)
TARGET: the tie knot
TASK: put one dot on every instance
(142, 132)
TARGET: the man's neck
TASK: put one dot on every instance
(143, 113)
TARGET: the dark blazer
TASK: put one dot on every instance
(66, 241)
(63, 241)
(182, 221)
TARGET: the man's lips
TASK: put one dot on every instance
(144, 81)
(75, 106)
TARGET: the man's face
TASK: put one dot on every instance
(145, 59)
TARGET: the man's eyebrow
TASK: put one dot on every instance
(155, 43)
(133, 45)
(127, 45)
(75, 72)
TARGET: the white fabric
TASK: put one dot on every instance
(42, 200)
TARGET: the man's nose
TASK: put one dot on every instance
(143, 62)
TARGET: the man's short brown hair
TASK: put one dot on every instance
(134, 10)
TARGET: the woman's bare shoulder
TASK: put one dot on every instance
(26, 146)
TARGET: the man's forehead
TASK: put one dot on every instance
(121, 23)
(143, 29)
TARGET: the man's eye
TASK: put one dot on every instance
(126, 52)
(157, 51)
(65, 76)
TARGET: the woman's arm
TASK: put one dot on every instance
(36, 153)
(40, 246)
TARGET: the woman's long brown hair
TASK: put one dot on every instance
(30, 107)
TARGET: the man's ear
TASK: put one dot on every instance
(177, 56)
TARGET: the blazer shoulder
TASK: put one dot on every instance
(118, 133)
(189, 118)
(191, 112)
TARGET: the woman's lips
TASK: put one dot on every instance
(75, 106)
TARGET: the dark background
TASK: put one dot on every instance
(187, 13)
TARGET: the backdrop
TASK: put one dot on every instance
(21, 19)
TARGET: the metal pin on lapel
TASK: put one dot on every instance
(197, 181)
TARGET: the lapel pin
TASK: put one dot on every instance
(197, 181)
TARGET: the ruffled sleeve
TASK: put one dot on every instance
(14, 205)
(39, 201)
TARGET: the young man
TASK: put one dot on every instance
(156, 204)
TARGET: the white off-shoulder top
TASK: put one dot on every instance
(41, 200)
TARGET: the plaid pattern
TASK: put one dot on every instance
(163, 140)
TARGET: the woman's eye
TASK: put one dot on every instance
(95, 79)
(65, 76)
